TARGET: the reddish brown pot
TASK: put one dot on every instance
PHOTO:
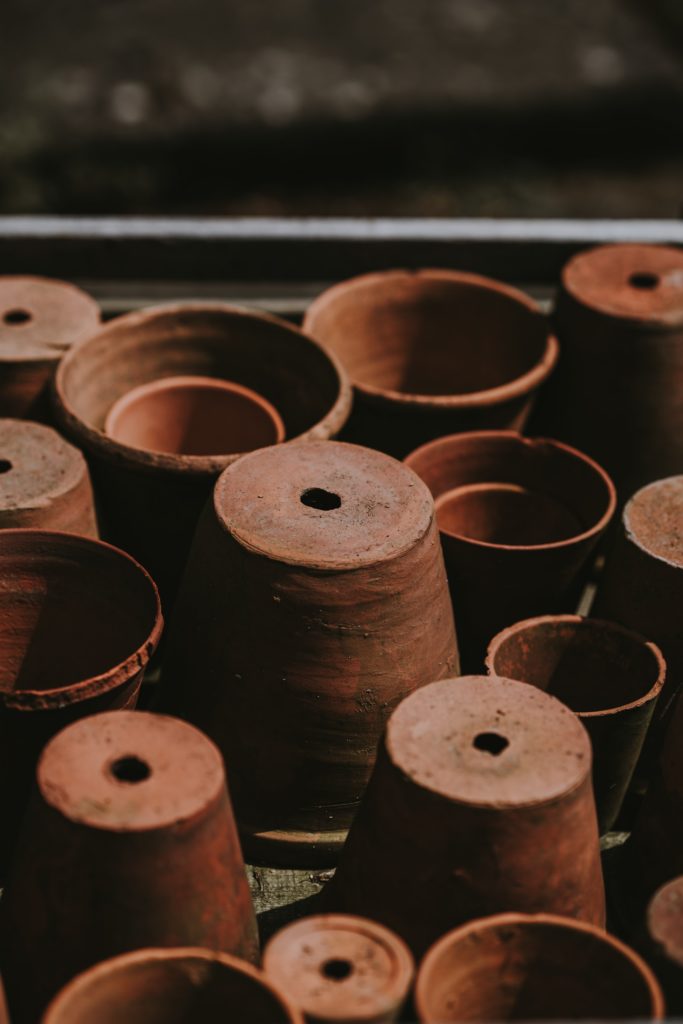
(610, 677)
(44, 482)
(664, 942)
(342, 969)
(480, 801)
(172, 986)
(129, 842)
(616, 393)
(432, 352)
(519, 519)
(79, 621)
(534, 967)
(39, 320)
(151, 501)
(315, 599)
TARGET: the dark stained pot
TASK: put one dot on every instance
(663, 942)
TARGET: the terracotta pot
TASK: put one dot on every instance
(610, 677)
(129, 842)
(616, 393)
(432, 352)
(78, 623)
(171, 986)
(519, 519)
(44, 482)
(150, 501)
(664, 942)
(194, 416)
(339, 968)
(480, 801)
(534, 967)
(315, 599)
(39, 320)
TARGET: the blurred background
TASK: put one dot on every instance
(503, 108)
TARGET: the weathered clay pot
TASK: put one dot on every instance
(44, 481)
(534, 967)
(315, 599)
(610, 677)
(339, 968)
(433, 352)
(150, 501)
(480, 801)
(519, 518)
(79, 621)
(172, 986)
(39, 320)
(616, 392)
(194, 416)
(664, 942)
(129, 842)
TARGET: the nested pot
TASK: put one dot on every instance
(663, 942)
(609, 676)
(519, 519)
(480, 801)
(172, 986)
(315, 599)
(534, 967)
(341, 969)
(40, 319)
(79, 621)
(432, 352)
(151, 500)
(129, 842)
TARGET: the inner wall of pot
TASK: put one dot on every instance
(430, 336)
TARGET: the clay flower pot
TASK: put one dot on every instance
(129, 842)
(432, 352)
(610, 677)
(150, 501)
(315, 599)
(342, 969)
(39, 320)
(534, 967)
(79, 621)
(519, 519)
(481, 801)
(664, 942)
(44, 482)
(171, 986)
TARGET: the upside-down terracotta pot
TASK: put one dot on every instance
(44, 481)
(664, 942)
(519, 519)
(39, 321)
(480, 801)
(315, 599)
(534, 967)
(616, 391)
(340, 969)
(79, 621)
(172, 986)
(432, 352)
(129, 842)
(150, 500)
(610, 677)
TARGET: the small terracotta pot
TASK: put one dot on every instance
(79, 621)
(664, 942)
(534, 967)
(339, 968)
(171, 986)
(44, 482)
(610, 677)
(315, 599)
(432, 352)
(616, 392)
(39, 320)
(194, 416)
(519, 518)
(129, 842)
(481, 801)
(150, 501)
